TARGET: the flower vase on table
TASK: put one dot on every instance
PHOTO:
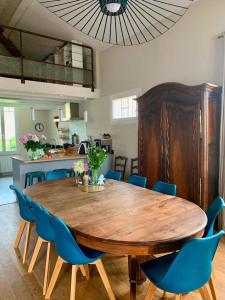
(89, 172)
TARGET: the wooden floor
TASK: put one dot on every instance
(17, 284)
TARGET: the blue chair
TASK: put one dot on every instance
(185, 271)
(138, 180)
(51, 175)
(27, 219)
(114, 175)
(45, 235)
(70, 251)
(30, 176)
(212, 213)
(69, 172)
(165, 188)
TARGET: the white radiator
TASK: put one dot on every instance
(5, 164)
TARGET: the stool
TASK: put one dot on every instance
(29, 177)
(69, 172)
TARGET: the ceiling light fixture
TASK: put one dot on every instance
(120, 22)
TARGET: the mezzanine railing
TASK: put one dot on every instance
(31, 56)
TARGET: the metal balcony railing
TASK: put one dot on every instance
(31, 56)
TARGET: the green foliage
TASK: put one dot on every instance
(33, 145)
(96, 157)
(11, 144)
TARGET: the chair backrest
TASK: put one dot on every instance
(114, 175)
(138, 180)
(213, 211)
(192, 265)
(134, 166)
(43, 226)
(165, 188)
(24, 205)
(66, 245)
(55, 175)
(120, 165)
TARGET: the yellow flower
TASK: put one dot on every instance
(79, 166)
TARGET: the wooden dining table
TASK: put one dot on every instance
(123, 219)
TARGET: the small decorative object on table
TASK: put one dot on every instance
(33, 145)
(92, 182)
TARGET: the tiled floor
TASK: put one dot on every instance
(6, 195)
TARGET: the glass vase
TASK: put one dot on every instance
(94, 176)
(32, 155)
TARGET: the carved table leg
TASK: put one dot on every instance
(136, 275)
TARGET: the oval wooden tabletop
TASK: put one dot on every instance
(122, 219)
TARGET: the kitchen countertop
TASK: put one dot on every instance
(57, 157)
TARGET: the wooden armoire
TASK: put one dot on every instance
(179, 128)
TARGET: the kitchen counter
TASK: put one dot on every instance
(22, 165)
(56, 157)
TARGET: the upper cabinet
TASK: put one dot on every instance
(179, 138)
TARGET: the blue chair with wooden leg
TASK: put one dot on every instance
(45, 235)
(69, 251)
(27, 219)
(165, 188)
(52, 175)
(185, 271)
(138, 180)
(114, 175)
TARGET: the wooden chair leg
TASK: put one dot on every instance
(204, 293)
(54, 277)
(104, 278)
(179, 297)
(26, 241)
(35, 254)
(19, 234)
(85, 271)
(212, 289)
(73, 282)
(150, 292)
(46, 268)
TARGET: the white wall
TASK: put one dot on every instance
(24, 124)
(189, 53)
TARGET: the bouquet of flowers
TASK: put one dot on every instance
(80, 167)
(96, 157)
(30, 142)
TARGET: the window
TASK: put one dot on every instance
(124, 108)
(7, 129)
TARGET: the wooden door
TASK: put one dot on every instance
(151, 141)
(182, 148)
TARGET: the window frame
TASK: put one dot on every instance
(3, 152)
(127, 94)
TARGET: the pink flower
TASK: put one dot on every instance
(85, 167)
(34, 138)
(23, 139)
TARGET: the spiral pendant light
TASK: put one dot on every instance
(120, 22)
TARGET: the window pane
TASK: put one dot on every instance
(124, 108)
(10, 132)
(1, 145)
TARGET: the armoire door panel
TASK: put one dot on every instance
(151, 148)
(182, 125)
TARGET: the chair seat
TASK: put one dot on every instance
(156, 269)
(91, 253)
